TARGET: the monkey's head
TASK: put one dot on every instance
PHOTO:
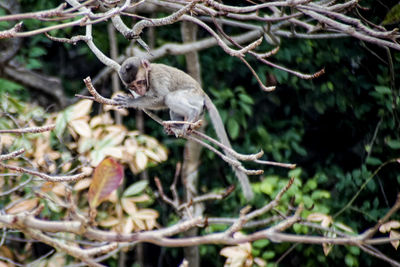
(134, 73)
(129, 69)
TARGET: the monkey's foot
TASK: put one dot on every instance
(123, 101)
(177, 130)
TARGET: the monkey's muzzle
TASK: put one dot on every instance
(139, 87)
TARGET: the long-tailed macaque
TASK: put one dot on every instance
(163, 87)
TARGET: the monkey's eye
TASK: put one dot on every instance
(128, 67)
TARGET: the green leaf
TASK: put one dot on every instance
(246, 99)
(61, 121)
(393, 16)
(394, 144)
(295, 173)
(373, 161)
(233, 128)
(135, 189)
(34, 64)
(383, 89)
(36, 51)
(267, 255)
(350, 260)
(261, 243)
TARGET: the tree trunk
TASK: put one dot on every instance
(192, 150)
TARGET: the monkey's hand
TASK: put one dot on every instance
(125, 101)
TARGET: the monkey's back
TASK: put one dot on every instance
(174, 79)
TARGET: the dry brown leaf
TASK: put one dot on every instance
(47, 187)
(59, 189)
(239, 255)
(25, 205)
(386, 227)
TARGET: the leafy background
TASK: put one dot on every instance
(338, 129)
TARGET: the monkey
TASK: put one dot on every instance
(159, 86)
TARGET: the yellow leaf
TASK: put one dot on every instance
(131, 146)
(316, 217)
(386, 227)
(47, 187)
(344, 227)
(327, 248)
(59, 189)
(113, 197)
(25, 205)
(141, 160)
(162, 153)
(325, 220)
(150, 224)
(146, 214)
(139, 223)
(115, 152)
(128, 206)
(95, 121)
(109, 222)
(394, 234)
(82, 108)
(152, 155)
(128, 226)
(82, 184)
(116, 138)
(81, 127)
(141, 198)
(260, 262)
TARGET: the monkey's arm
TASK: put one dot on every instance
(143, 102)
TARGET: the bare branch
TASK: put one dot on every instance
(40, 129)
(50, 178)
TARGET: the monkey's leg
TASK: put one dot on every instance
(176, 129)
(184, 105)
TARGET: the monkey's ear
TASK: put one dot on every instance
(146, 64)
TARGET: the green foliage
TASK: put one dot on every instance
(237, 108)
(393, 16)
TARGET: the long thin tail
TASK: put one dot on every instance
(223, 138)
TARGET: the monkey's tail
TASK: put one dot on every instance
(223, 137)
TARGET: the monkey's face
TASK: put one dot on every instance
(134, 72)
